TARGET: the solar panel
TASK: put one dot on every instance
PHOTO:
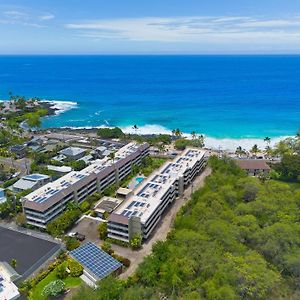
(95, 260)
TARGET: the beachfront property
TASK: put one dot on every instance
(30, 182)
(141, 212)
(47, 202)
(254, 167)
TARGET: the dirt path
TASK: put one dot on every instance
(161, 231)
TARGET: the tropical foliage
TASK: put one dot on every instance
(237, 238)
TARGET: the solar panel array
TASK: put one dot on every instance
(95, 260)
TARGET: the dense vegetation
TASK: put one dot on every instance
(238, 238)
(110, 133)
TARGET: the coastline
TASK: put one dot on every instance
(226, 143)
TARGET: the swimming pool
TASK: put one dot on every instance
(139, 179)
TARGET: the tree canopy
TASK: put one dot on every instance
(237, 238)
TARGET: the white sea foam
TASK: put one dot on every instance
(228, 144)
(210, 142)
(61, 106)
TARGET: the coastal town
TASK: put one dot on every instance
(79, 206)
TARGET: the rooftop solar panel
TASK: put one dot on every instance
(95, 260)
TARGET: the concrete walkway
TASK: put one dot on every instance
(162, 229)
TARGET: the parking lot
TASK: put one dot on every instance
(88, 227)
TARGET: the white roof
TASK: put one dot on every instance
(147, 197)
(62, 169)
(8, 290)
(48, 190)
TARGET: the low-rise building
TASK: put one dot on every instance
(18, 150)
(30, 182)
(47, 202)
(62, 170)
(73, 152)
(142, 211)
(8, 290)
(106, 205)
(96, 263)
(254, 167)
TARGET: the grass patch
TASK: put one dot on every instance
(36, 293)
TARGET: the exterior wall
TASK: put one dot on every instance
(124, 233)
(41, 219)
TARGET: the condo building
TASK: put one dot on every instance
(46, 203)
(141, 212)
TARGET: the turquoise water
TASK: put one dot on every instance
(220, 96)
(139, 179)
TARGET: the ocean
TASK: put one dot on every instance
(233, 100)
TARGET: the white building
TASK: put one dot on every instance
(46, 203)
(141, 212)
(30, 182)
(8, 290)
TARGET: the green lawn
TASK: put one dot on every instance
(38, 289)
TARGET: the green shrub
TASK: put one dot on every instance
(71, 243)
(54, 288)
(102, 229)
(136, 241)
(61, 224)
(61, 271)
(75, 268)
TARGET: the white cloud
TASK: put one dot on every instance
(46, 17)
(24, 17)
(202, 29)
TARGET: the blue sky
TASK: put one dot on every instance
(149, 27)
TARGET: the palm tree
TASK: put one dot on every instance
(267, 140)
(13, 263)
(254, 149)
(201, 140)
(135, 128)
(194, 135)
(173, 132)
(112, 156)
(178, 132)
(239, 151)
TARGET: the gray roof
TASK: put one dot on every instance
(72, 151)
(23, 184)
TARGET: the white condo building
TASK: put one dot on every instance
(141, 212)
(46, 203)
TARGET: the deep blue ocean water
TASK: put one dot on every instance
(220, 96)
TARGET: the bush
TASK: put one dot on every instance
(106, 246)
(58, 226)
(110, 133)
(117, 242)
(85, 206)
(136, 241)
(61, 271)
(71, 243)
(126, 262)
(10, 182)
(75, 268)
(54, 288)
(102, 229)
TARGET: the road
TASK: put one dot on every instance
(162, 230)
(21, 165)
